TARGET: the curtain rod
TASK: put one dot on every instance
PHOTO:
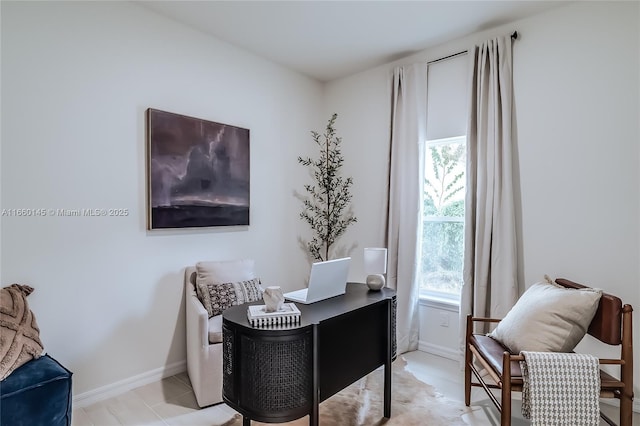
(514, 36)
(464, 52)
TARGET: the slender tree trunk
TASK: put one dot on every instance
(328, 183)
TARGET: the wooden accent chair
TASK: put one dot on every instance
(611, 325)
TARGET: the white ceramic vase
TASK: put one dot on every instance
(273, 298)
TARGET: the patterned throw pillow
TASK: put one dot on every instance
(218, 297)
(19, 332)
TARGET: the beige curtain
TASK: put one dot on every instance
(404, 220)
(490, 259)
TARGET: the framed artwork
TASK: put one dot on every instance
(197, 172)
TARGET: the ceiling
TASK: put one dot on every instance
(332, 39)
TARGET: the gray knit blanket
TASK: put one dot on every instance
(560, 389)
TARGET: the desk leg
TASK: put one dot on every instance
(387, 365)
(246, 421)
(387, 391)
(315, 382)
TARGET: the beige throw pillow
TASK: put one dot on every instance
(548, 318)
(19, 332)
(225, 271)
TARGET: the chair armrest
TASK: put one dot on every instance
(482, 319)
(197, 320)
(470, 327)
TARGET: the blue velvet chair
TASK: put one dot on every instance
(36, 393)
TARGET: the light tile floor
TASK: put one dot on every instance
(171, 401)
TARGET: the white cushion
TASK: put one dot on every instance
(226, 271)
(548, 318)
(215, 329)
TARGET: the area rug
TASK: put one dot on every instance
(413, 402)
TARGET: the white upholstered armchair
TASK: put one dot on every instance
(204, 334)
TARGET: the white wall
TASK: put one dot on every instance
(363, 124)
(77, 78)
(576, 84)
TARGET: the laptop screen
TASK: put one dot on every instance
(328, 278)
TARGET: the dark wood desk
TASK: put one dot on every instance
(277, 374)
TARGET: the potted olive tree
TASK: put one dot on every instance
(326, 205)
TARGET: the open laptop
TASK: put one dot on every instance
(327, 279)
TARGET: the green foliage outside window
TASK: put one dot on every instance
(443, 227)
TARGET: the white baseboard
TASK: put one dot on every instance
(114, 389)
(442, 351)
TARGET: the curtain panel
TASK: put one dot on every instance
(404, 218)
(490, 258)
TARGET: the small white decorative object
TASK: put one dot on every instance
(375, 265)
(273, 298)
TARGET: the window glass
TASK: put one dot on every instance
(443, 217)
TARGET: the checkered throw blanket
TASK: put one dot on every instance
(560, 389)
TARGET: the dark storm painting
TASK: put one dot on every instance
(197, 172)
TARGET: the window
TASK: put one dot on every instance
(443, 218)
(442, 234)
